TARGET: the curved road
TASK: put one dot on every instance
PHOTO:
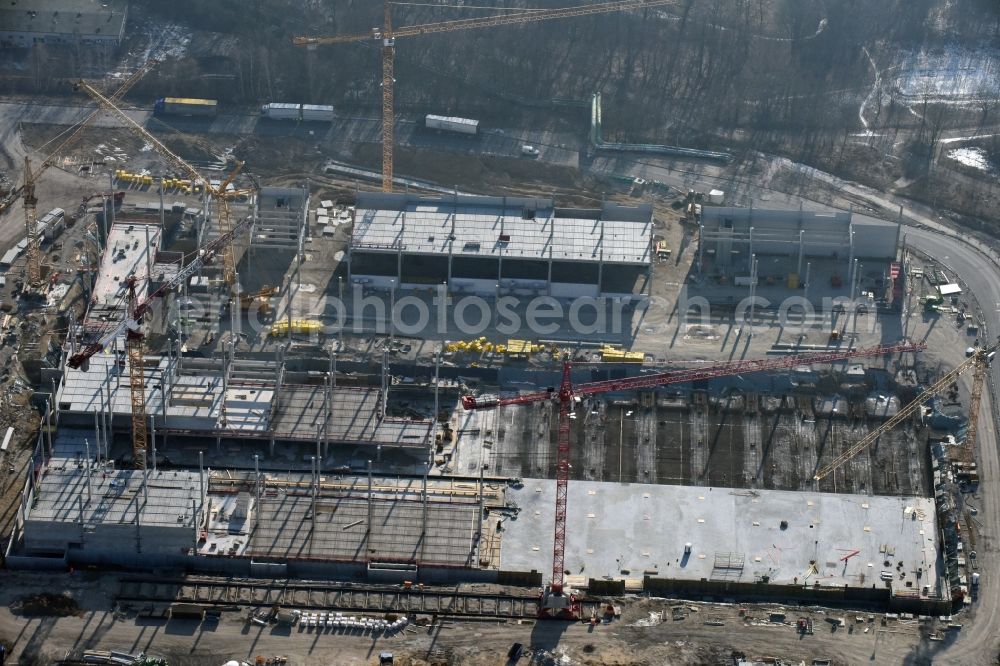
(978, 643)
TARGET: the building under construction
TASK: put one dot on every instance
(299, 460)
(499, 245)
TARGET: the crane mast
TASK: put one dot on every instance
(388, 114)
(137, 379)
(32, 251)
(556, 603)
(387, 35)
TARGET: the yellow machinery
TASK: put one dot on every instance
(387, 36)
(222, 193)
(302, 326)
(260, 299)
(612, 354)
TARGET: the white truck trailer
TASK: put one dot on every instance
(297, 112)
(452, 124)
(281, 111)
(317, 112)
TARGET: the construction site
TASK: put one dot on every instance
(218, 378)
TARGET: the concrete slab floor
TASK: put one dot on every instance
(631, 530)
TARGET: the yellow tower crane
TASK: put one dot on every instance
(27, 190)
(221, 193)
(980, 360)
(387, 36)
(227, 234)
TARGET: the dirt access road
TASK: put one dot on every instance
(686, 641)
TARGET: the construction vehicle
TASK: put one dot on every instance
(979, 360)
(222, 192)
(261, 299)
(131, 327)
(556, 601)
(387, 36)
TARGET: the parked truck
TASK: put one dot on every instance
(297, 112)
(281, 111)
(452, 124)
(186, 106)
(317, 113)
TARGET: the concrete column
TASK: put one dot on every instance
(479, 525)
(88, 470)
(423, 519)
(850, 255)
(138, 526)
(149, 250)
(392, 310)
(80, 506)
(195, 522)
(145, 479)
(201, 480)
(854, 280)
(384, 393)
(152, 438)
(805, 285)
(97, 436)
(437, 402)
(256, 485)
(751, 247)
(314, 483)
(802, 247)
(753, 290)
(55, 402)
(340, 292)
(368, 533)
(600, 263)
(48, 425)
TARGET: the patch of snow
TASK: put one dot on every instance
(971, 157)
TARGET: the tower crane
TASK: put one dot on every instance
(556, 603)
(387, 35)
(131, 327)
(979, 361)
(220, 193)
(27, 190)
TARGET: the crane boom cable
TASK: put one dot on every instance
(979, 359)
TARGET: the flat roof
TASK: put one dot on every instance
(284, 530)
(628, 530)
(125, 254)
(112, 498)
(496, 227)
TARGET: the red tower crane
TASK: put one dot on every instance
(557, 603)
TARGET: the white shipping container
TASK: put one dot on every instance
(452, 124)
(317, 112)
(281, 111)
